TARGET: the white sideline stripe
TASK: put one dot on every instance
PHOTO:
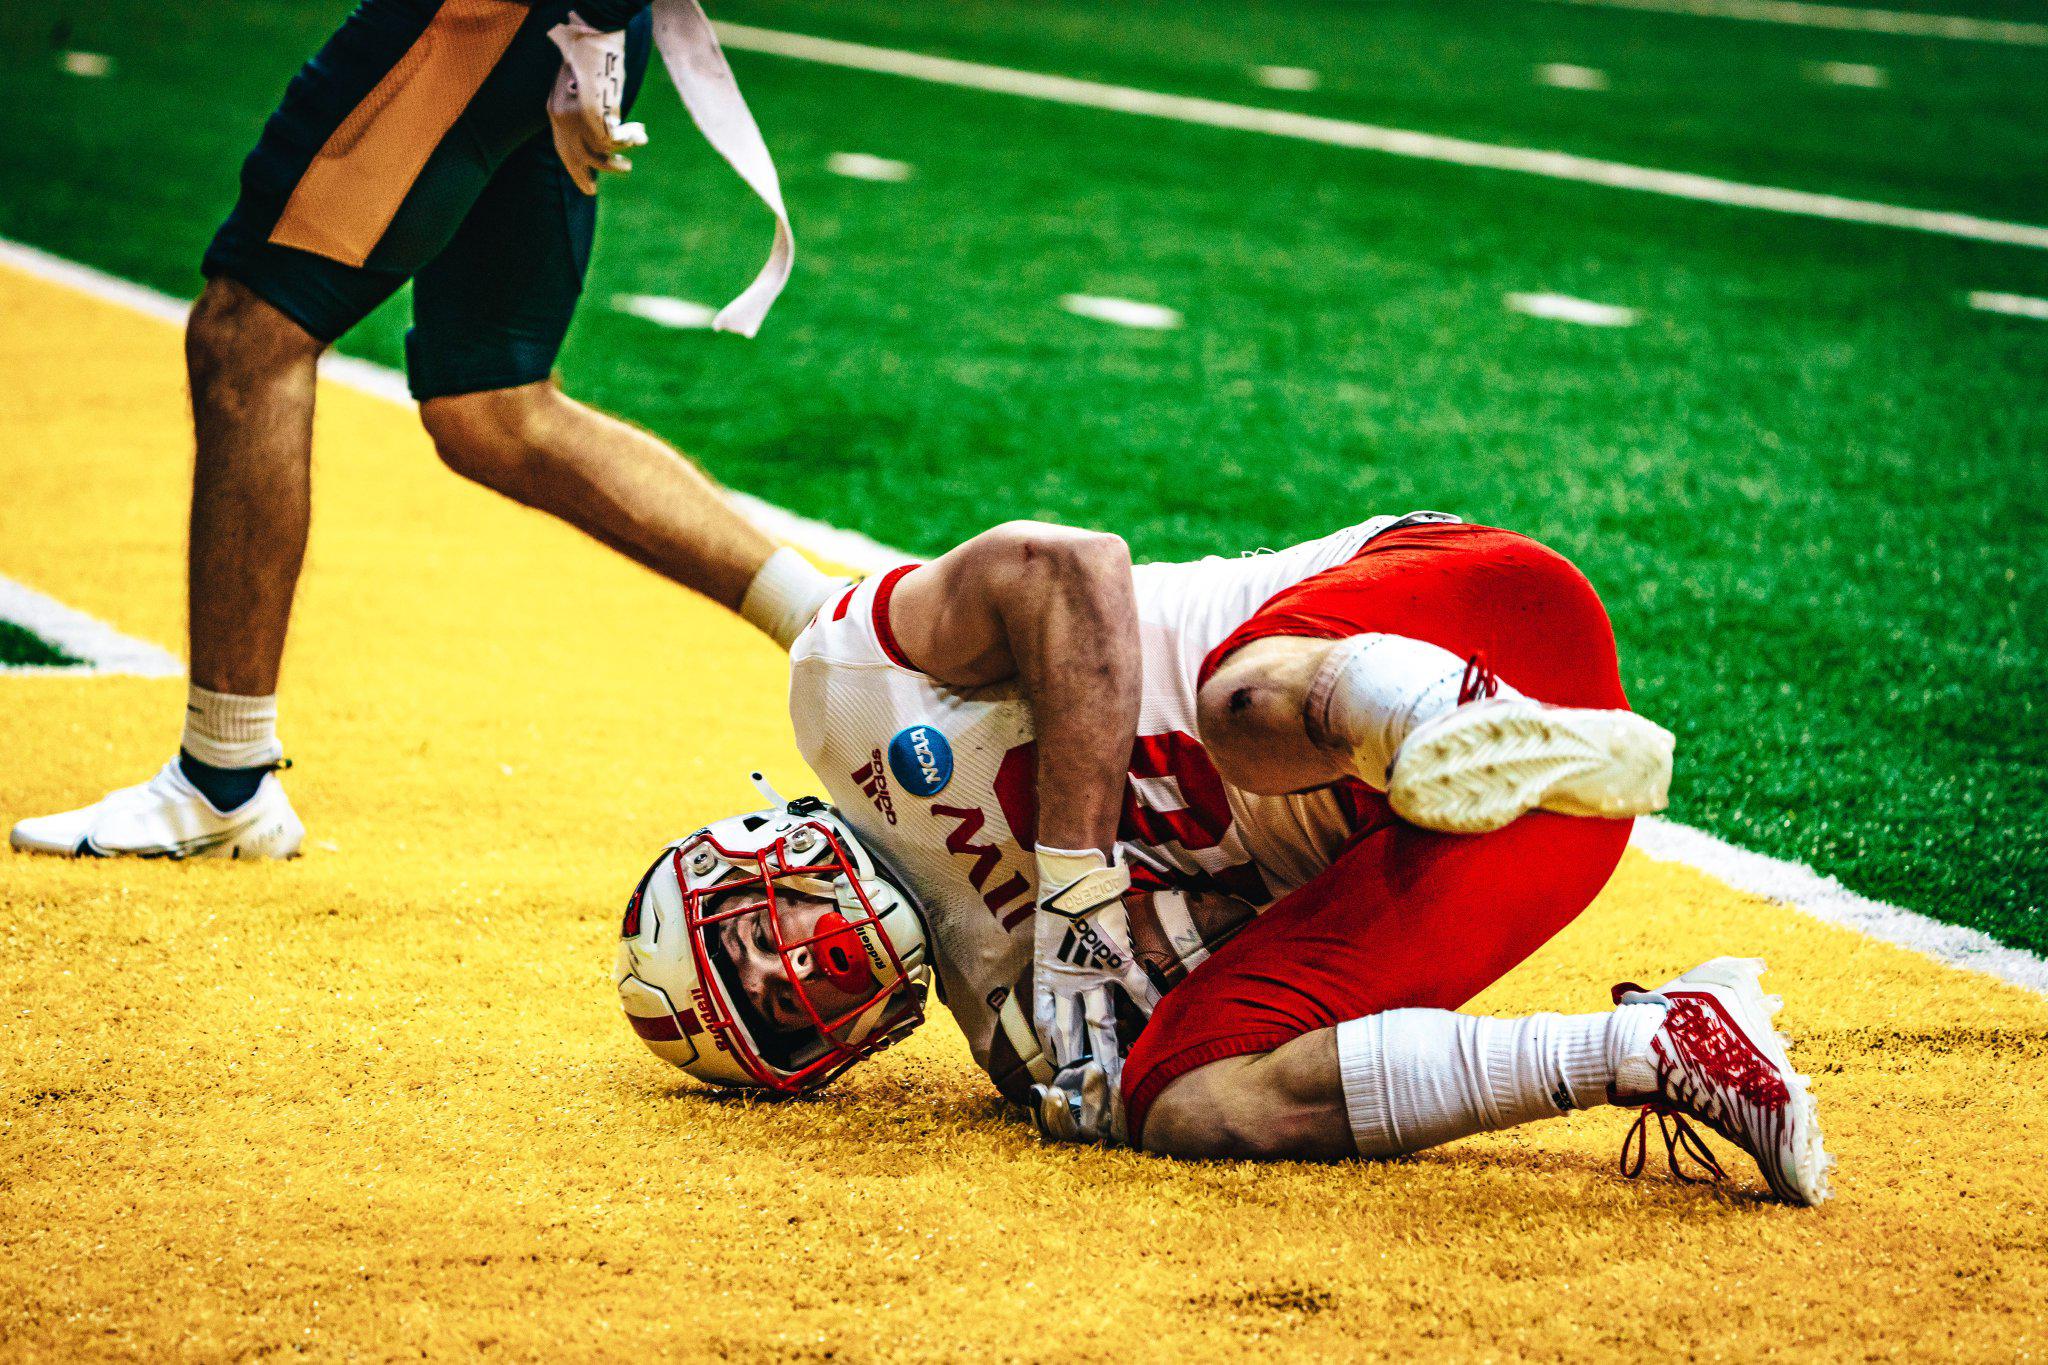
(2013, 305)
(102, 649)
(1332, 132)
(1773, 878)
(1852, 18)
(848, 549)
(357, 374)
(1824, 898)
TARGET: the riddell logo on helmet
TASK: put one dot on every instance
(701, 998)
(873, 777)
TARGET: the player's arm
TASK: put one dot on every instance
(1054, 609)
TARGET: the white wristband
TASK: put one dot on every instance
(786, 594)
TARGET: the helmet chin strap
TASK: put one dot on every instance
(767, 790)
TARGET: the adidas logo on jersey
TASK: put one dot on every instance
(873, 777)
(1084, 947)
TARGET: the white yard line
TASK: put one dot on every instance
(1792, 883)
(91, 65)
(1287, 77)
(1569, 76)
(101, 648)
(1860, 75)
(1331, 132)
(1850, 18)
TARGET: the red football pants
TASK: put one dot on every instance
(1405, 917)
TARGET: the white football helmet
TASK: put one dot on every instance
(677, 982)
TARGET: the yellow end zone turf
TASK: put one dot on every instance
(380, 1101)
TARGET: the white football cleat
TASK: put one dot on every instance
(1717, 1059)
(168, 817)
(1483, 764)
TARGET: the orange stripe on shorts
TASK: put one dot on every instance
(349, 195)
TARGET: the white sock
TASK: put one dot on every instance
(786, 594)
(1416, 1078)
(223, 730)
(1372, 690)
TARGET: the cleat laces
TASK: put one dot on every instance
(1681, 1139)
(1681, 1092)
(1478, 682)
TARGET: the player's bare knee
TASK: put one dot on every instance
(1240, 710)
(1268, 1106)
(234, 336)
(494, 437)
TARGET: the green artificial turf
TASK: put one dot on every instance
(1809, 482)
(22, 648)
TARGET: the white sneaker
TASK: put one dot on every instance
(1717, 1059)
(168, 817)
(1483, 764)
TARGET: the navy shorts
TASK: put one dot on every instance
(415, 145)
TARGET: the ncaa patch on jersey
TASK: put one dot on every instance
(921, 759)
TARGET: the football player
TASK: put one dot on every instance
(1203, 856)
(455, 144)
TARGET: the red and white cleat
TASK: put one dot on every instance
(1717, 1059)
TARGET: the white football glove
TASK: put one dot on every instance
(1082, 956)
(588, 99)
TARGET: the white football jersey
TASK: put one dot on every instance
(940, 782)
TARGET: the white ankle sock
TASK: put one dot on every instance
(1416, 1078)
(1372, 690)
(223, 730)
(786, 594)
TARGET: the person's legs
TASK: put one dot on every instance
(490, 314)
(353, 184)
(1405, 918)
(252, 374)
(1385, 670)
(607, 478)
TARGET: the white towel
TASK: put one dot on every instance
(689, 48)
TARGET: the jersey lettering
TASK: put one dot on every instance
(960, 839)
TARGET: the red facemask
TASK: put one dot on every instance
(848, 946)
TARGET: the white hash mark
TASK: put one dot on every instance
(1122, 312)
(1565, 308)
